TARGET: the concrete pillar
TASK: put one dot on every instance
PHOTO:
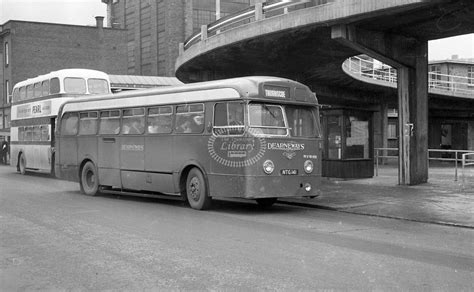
(410, 58)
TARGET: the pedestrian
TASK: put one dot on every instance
(4, 151)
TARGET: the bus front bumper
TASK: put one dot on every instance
(255, 187)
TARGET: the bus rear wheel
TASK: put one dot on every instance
(22, 164)
(89, 179)
(196, 190)
(266, 202)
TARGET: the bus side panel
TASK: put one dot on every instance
(67, 158)
(132, 162)
(109, 161)
(189, 147)
(159, 163)
(87, 148)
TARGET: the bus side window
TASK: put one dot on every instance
(37, 133)
(190, 118)
(109, 122)
(133, 121)
(28, 133)
(29, 91)
(16, 95)
(88, 123)
(45, 88)
(44, 133)
(21, 133)
(54, 86)
(160, 119)
(229, 118)
(22, 93)
(37, 90)
(69, 124)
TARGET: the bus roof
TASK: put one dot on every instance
(75, 72)
(243, 87)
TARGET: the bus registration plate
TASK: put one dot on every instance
(289, 171)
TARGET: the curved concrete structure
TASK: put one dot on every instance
(298, 44)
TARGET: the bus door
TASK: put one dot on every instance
(159, 161)
(109, 148)
(67, 155)
(132, 149)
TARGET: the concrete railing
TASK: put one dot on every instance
(464, 156)
(373, 69)
(251, 14)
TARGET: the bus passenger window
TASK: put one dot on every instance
(21, 133)
(75, 85)
(69, 124)
(37, 90)
(54, 86)
(16, 95)
(229, 118)
(190, 118)
(22, 93)
(109, 122)
(36, 133)
(88, 123)
(29, 91)
(45, 88)
(133, 121)
(28, 133)
(160, 119)
(97, 86)
(44, 133)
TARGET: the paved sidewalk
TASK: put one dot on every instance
(442, 200)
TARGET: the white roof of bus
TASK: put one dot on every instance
(83, 73)
(193, 92)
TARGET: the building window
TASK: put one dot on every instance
(470, 75)
(392, 130)
(7, 55)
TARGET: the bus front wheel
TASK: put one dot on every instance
(89, 179)
(196, 190)
(22, 164)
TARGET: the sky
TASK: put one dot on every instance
(82, 12)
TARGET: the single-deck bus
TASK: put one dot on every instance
(252, 137)
(35, 105)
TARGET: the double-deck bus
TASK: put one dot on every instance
(35, 105)
(252, 137)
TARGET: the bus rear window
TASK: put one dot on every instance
(74, 85)
(97, 86)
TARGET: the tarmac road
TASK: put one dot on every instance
(52, 237)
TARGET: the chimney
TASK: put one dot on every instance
(454, 57)
(99, 21)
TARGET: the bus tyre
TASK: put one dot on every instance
(196, 190)
(22, 164)
(266, 202)
(89, 179)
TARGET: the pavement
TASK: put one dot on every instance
(443, 200)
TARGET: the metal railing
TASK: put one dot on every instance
(370, 68)
(467, 159)
(253, 13)
(459, 156)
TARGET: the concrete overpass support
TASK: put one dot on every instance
(410, 57)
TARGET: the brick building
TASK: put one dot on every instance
(29, 49)
(156, 27)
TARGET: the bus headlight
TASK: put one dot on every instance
(308, 166)
(268, 167)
